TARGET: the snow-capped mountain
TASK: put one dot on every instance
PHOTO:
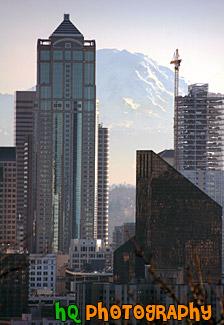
(137, 85)
(6, 119)
(135, 101)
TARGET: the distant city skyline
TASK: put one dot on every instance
(155, 29)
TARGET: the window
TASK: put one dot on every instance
(89, 56)
(58, 55)
(44, 73)
(57, 80)
(67, 46)
(45, 55)
(77, 55)
(89, 74)
(77, 80)
(68, 55)
(89, 92)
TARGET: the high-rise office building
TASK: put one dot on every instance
(103, 183)
(173, 216)
(8, 195)
(65, 140)
(23, 128)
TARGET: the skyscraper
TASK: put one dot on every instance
(103, 183)
(65, 140)
(172, 217)
(23, 127)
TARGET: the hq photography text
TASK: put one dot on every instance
(150, 312)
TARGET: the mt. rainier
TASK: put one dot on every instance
(136, 102)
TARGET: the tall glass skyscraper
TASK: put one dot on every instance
(65, 140)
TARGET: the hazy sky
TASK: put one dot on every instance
(154, 27)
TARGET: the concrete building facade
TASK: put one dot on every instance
(90, 255)
(42, 273)
(200, 130)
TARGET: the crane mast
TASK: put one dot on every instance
(176, 61)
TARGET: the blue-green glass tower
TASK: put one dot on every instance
(65, 146)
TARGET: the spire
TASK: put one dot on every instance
(66, 28)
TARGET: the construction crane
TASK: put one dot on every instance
(176, 61)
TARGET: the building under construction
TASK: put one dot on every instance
(200, 138)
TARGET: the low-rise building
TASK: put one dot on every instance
(73, 278)
(42, 273)
(90, 255)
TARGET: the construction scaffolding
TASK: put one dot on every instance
(200, 130)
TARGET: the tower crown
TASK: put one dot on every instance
(66, 28)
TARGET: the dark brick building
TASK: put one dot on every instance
(172, 217)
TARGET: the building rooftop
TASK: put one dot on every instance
(7, 153)
(66, 28)
(167, 153)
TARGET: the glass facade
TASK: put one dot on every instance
(77, 83)
(57, 80)
(44, 73)
(173, 218)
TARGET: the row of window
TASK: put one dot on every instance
(32, 285)
(42, 262)
(39, 267)
(67, 55)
